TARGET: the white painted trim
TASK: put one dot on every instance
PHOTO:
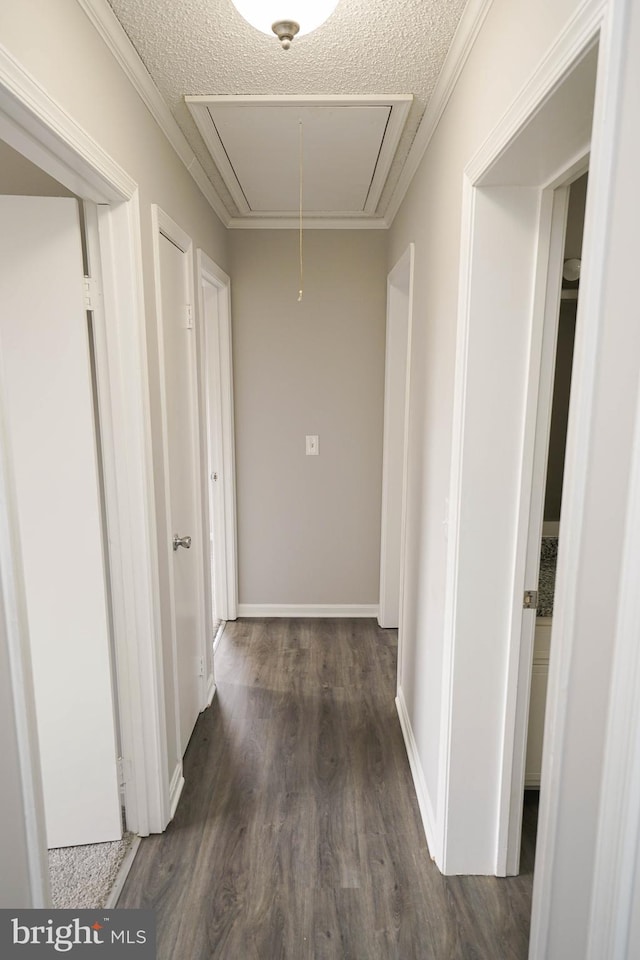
(226, 564)
(302, 99)
(618, 841)
(384, 618)
(405, 470)
(175, 789)
(404, 265)
(143, 709)
(572, 44)
(470, 24)
(211, 689)
(108, 26)
(123, 873)
(591, 319)
(574, 41)
(198, 108)
(335, 222)
(419, 782)
(455, 498)
(134, 792)
(163, 225)
(400, 105)
(41, 130)
(170, 229)
(345, 610)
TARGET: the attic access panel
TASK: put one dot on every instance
(348, 146)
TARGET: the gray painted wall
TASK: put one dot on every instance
(309, 527)
(21, 178)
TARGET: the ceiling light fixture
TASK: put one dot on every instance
(286, 18)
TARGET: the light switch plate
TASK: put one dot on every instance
(312, 446)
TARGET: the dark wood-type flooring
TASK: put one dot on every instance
(298, 835)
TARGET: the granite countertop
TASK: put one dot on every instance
(547, 579)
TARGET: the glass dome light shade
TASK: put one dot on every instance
(309, 14)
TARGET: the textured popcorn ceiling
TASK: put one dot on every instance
(367, 46)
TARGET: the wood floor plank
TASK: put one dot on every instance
(298, 835)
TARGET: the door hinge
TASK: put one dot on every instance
(530, 601)
(201, 666)
(90, 292)
(188, 317)
(123, 771)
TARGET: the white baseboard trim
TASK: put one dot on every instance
(175, 789)
(211, 689)
(308, 610)
(424, 801)
(123, 873)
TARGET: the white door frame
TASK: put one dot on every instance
(162, 224)
(216, 382)
(33, 124)
(617, 865)
(395, 437)
(497, 180)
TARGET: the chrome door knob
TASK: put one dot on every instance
(181, 542)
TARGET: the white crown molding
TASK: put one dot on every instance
(315, 610)
(465, 36)
(108, 26)
(309, 223)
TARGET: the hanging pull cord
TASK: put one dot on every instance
(300, 177)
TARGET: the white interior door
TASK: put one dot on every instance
(181, 426)
(45, 353)
(218, 440)
(209, 295)
(541, 393)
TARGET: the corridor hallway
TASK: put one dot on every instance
(298, 835)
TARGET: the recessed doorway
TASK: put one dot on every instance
(548, 471)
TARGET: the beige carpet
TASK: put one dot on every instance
(85, 877)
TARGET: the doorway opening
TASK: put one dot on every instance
(34, 127)
(395, 445)
(548, 469)
(511, 267)
(51, 382)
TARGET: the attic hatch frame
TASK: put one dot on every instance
(369, 218)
